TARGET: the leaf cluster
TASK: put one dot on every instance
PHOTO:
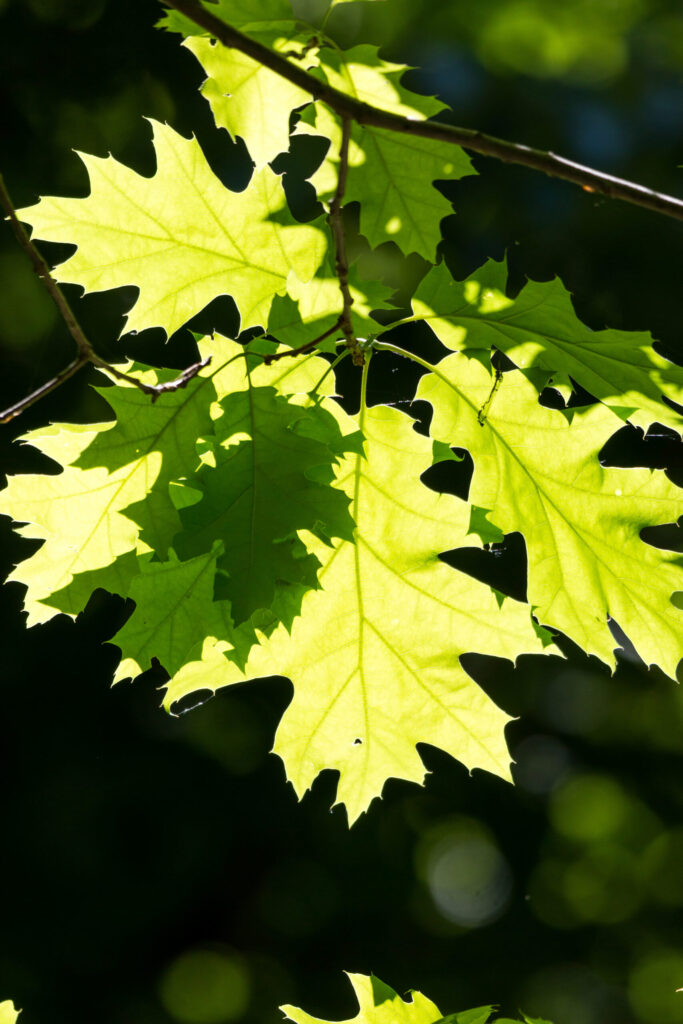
(259, 529)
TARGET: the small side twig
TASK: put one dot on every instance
(44, 389)
(86, 353)
(307, 347)
(336, 223)
(181, 381)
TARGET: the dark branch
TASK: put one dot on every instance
(42, 270)
(44, 389)
(309, 345)
(478, 142)
(181, 381)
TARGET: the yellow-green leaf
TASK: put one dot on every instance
(390, 1010)
(538, 471)
(539, 329)
(374, 655)
(246, 97)
(78, 513)
(8, 1015)
(180, 236)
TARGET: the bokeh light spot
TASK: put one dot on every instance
(589, 808)
(205, 986)
(652, 987)
(467, 876)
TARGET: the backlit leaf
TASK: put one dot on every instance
(539, 329)
(417, 1010)
(179, 236)
(247, 98)
(8, 1015)
(390, 174)
(79, 514)
(537, 470)
(374, 655)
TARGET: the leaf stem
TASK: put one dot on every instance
(330, 368)
(386, 346)
(354, 109)
(364, 391)
(86, 353)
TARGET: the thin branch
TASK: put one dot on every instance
(181, 381)
(307, 347)
(478, 142)
(336, 222)
(86, 353)
(42, 270)
(44, 389)
(154, 390)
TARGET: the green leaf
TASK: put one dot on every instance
(392, 181)
(94, 531)
(374, 655)
(170, 426)
(174, 611)
(381, 992)
(479, 1015)
(360, 72)
(419, 1010)
(247, 98)
(307, 311)
(444, 453)
(390, 174)
(241, 14)
(8, 1015)
(538, 472)
(180, 236)
(539, 330)
(479, 524)
(257, 492)
(527, 1020)
(79, 513)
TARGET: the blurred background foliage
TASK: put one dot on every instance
(159, 870)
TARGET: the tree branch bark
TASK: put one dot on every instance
(347, 107)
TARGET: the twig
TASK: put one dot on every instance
(86, 353)
(181, 381)
(336, 222)
(42, 270)
(302, 348)
(478, 142)
(44, 389)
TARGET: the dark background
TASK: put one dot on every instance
(148, 860)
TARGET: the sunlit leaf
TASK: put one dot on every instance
(538, 471)
(374, 655)
(179, 236)
(391, 1010)
(539, 329)
(247, 98)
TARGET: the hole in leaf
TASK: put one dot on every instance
(451, 477)
(503, 566)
